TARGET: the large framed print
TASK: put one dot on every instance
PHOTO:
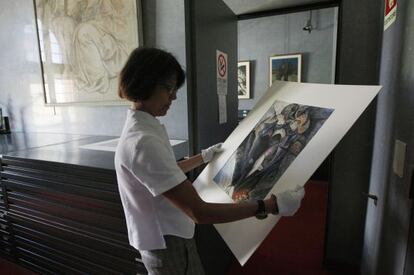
(83, 46)
(285, 67)
(243, 79)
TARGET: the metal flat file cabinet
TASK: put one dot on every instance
(58, 218)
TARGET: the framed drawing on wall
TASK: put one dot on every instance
(83, 46)
(285, 67)
(243, 76)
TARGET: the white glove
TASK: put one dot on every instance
(289, 201)
(208, 154)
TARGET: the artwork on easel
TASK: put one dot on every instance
(269, 149)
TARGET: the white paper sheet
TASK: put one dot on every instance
(243, 237)
(222, 103)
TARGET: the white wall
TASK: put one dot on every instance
(21, 93)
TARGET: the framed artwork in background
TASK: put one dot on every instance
(243, 76)
(83, 46)
(286, 67)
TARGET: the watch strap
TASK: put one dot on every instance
(261, 210)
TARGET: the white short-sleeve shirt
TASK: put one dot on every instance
(146, 167)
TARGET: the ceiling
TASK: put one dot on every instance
(250, 6)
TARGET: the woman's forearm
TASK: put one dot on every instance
(189, 164)
(228, 212)
(224, 212)
(185, 197)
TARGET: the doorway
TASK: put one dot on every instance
(312, 34)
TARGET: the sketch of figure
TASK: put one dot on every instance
(268, 150)
(62, 26)
(94, 38)
(243, 79)
(99, 46)
(241, 76)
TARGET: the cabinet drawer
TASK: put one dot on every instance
(67, 199)
(67, 214)
(6, 249)
(74, 234)
(59, 170)
(42, 264)
(12, 180)
(76, 263)
(91, 256)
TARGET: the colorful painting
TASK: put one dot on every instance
(83, 46)
(285, 68)
(264, 155)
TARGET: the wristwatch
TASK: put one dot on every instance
(261, 210)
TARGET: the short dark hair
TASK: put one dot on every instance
(146, 68)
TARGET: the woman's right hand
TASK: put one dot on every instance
(285, 203)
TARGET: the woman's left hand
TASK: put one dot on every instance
(208, 154)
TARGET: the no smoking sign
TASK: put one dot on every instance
(222, 65)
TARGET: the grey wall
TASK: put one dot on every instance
(383, 144)
(21, 94)
(260, 38)
(359, 45)
(385, 251)
(211, 26)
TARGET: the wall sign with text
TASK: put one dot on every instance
(390, 13)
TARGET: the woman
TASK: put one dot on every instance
(161, 206)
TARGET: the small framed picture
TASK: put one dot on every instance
(243, 76)
(286, 67)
